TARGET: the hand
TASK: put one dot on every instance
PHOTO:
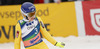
(60, 44)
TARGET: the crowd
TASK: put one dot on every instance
(14, 2)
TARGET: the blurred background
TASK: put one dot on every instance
(74, 22)
(16, 2)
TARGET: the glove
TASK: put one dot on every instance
(60, 44)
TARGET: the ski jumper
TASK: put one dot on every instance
(29, 33)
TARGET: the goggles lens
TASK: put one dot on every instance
(31, 14)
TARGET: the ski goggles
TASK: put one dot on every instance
(31, 14)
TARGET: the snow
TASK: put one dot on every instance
(72, 42)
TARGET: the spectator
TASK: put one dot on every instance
(38, 1)
(0, 2)
(58, 1)
(13, 2)
(75, 0)
(89, 0)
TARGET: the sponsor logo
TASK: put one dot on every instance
(17, 34)
(21, 21)
(32, 8)
(30, 25)
(95, 18)
(32, 41)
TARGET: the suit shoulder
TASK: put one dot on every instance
(21, 22)
(38, 18)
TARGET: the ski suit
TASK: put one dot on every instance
(29, 33)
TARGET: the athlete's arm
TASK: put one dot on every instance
(17, 36)
(45, 34)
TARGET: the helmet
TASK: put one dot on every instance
(28, 10)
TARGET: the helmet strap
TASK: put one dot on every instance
(27, 18)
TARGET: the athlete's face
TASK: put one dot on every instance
(31, 18)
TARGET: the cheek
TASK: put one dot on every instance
(30, 18)
(33, 17)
